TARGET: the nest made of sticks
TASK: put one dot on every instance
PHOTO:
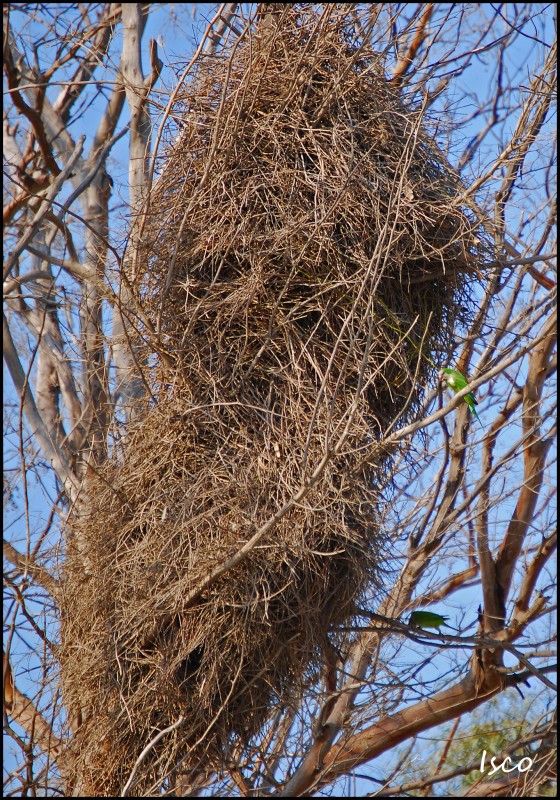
(308, 257)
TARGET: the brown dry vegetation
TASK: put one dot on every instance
(308, 259)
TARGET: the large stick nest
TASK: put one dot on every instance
(308, 257)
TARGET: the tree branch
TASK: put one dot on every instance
(38, 428)
(28, 566)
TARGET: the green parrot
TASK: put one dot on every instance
(456, 381)
(427, 619)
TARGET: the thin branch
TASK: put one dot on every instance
(44, 205)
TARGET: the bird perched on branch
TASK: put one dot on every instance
(427, 619)
(456, 382)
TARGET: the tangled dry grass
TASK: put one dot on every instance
(307, 259)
